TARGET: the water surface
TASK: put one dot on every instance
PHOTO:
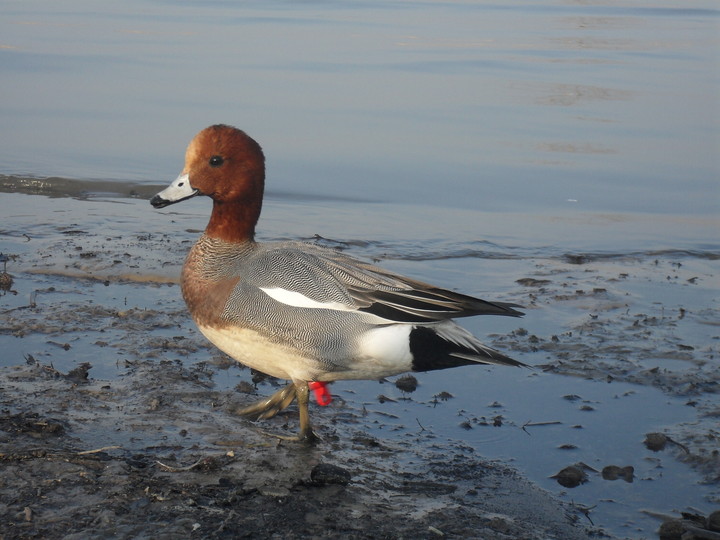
(509, 106)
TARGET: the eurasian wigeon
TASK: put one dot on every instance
(299, 311)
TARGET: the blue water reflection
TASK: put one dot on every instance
(510, 105)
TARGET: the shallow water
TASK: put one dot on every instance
(466, 144)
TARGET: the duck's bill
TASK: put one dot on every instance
(178, 191)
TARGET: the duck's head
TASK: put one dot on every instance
(228, 166)
(221, 162)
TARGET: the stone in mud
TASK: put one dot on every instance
(407, 384)
(325, 474)
(655, 441)
(713, 521)
(671, 530)
(613, 472)
(80, 373)
(573, 476)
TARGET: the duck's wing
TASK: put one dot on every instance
(306, 275)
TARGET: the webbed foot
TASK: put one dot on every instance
(269, 407)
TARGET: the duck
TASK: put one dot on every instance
(299, 311)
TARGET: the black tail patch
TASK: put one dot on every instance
(432, 352)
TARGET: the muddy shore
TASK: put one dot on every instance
(156, 454)
(150, 448)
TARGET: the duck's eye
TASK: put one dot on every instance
(216, 161)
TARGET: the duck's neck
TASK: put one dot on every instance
(233, 222)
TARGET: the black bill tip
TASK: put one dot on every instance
(158, 202)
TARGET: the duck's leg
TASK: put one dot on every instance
(269, 407)
(306, 433)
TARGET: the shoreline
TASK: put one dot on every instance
(107, 293)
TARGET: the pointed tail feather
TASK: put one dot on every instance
(446, 345)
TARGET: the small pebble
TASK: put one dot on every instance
(655, 441)
(571, 477)
(407, 384)
(613, 472)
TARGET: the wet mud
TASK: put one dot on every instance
(668, 342)
(116, 416)
(156, 454)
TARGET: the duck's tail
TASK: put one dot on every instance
(447, 344)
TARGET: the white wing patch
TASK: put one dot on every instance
(296, 299)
